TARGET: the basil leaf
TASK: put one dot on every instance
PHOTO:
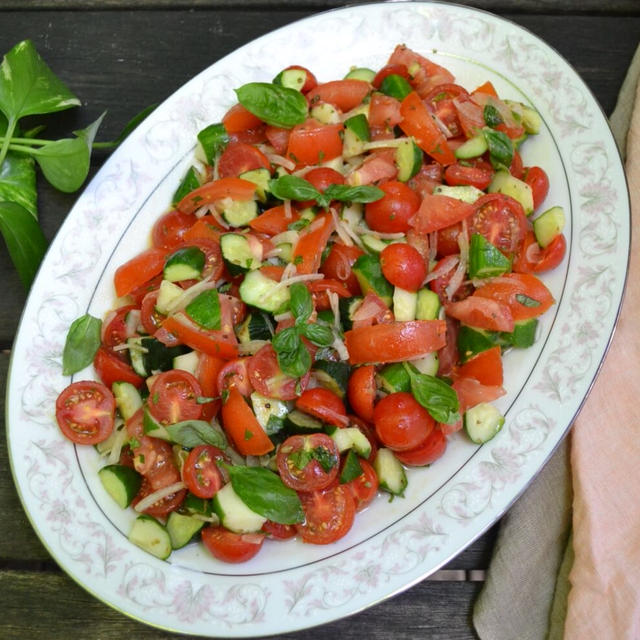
(286, 340)
(346, 193)
(289, 187)
(24, 239)
(274, 104)
(293, 358)
(81, 344)
(18, 182)
(191, 433)
(204, 310)
(436, 396)
(492, 116)
(264, 492)
(325, 458)
(213, 139)
(352, 468)
(275, 424)
(320, 334)
(188, 184)
(29, 87)
(526, 300)
(500, 148)
(301, 304)
(65, 163)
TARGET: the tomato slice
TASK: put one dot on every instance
(200, 471)
(308, 462)
(239, 157)
(173, 397)
(205, 228)
(458, 174)
(365, 487)
(401, 422)
(243, 427)
(320, 289)
(394, 341)
(329, 514)
(485, 367)
(221, 344)
(135, 272)
(231, 547)
(439, 212)
(426, 76)
(267, 378)
(312, 143)
(235, 374)
(427, 452)
(472, 392)
(85, 412)
(211, 192)
(278, 138)
(274, 221)
(482, 312)
(532, 259)
(524, 294)
(115, 329)
(170, 228)
(311, 243)
(207, 372)
(361, 391)
(151, 318)
(501, 220)
(344, 94)
(417, 122)
(393, 212)
(239, 119)
(337, 266)
(323, 404)
(110, 368)
(384, 112)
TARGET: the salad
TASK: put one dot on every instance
(328, 298)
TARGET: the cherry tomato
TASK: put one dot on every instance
(161, 508)
(448, 240)
(231, 547)
(392, 213)
(141, 268)
(361, 391)
(243, 427)
(365, 487)
(173, 397)
(115, 329)
(517, 168)
(321, 178)
(110, 368)
(239, 157)
(401, 422)
(427, 179)
(200, 471)
(394, 341)
(235, 375)
(501, 220)
(485, 367)
(533, 259)
(311, 142)
(403, 266)
(150, 317)
(278, 138)
(239, 119)
(337, 266)
(427, 452)
(85, 412)
(329, 514)
(457, 174)
(343, 94)
(267, 378)
(308, 463)
(170, 228)
(277, 531)
(538, 180)
(324, 405)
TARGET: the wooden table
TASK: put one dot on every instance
(123, 55)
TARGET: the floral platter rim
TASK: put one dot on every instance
(469, 499)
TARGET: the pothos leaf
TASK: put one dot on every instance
(18, 182)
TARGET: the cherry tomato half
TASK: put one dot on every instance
(501, 220)
(329, 514)
(308, 462)
(361, 391)
(239, 157)
(391, 214)
(337, 266)
(365, 487)
(324, 405)
(427, 452)
(85, 412)
(200, 471)
(403, 266)
(170, 228)
(231, 547)
(173, 397)
(538, 180)
(267, 378)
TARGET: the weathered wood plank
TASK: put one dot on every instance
(434, 610)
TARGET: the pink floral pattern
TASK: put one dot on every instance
(450, 503)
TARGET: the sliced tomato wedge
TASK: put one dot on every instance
(207, 372)
(141, 268)
(307, 254)
(173, 397)
(323, 404)
(205, 228)
(365, 487)
(211, 192)
(439, 212)
(312, 143)
(472, 392)
(222, 344)
(485, 367)
(242, 426)
(345, 94)
(482, 312)
(427, 452)
(395, 341)
(361, 391)
(274, 221)
(417, 122)
(532, 259)
(426, 76)
(110, 368)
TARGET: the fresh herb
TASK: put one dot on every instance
(435, 395)
(492, 116)
(276, 105)
(191, 433)
(188, 184)
(352, 468)
(275, 424)
(28, 87)
(213, 139)
(264, 492)
(526, 300)
(301, 303)
(323, 456)
(500, 148)
(320, 334)
(346, 193)
(81, 345)
(293, 357)
(288, 187)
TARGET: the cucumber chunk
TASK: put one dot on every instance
(503, 182)
(352, 438)
(361, 73)
(472, 148)
(325, 113)
(182, 529)
(482, 422)
(291, 78)
(167, 295)
(427, 305)
(485, 259)
(238, 254)
(122, 483)
(369, 275)
(239, 213)
(332, 375)
(548, 225)
(148, 534)
(213, 139)
(391, 474)
(127, 398)
(234, 514)
(408, 159)
(394, 378)
(396, 86)
(186, 263)
(187, 362)
(260, 177)
(259, 291)
(265, 407)
(465, 193)
(299, 422)
(405, 304)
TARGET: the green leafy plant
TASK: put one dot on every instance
(28, 87)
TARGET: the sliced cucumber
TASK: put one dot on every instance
(465, 193)
(238, 254)
(485, 259)
(351, 469)
(482, 422)
(182, 529)
(356, 134)
(391, 474)
(255, 327)
(529, 117)
(213, 139)
(503, 182)
(187, 362)
(405, 304)
(427, 364)
(234, 514)
(396, 86)
(408, 159)
(472, 148)
(239, 213)
(472, 341)
(361, 73)
(148, 534)
(122, 483)
(260, 177)
(332, 375)
(167, 295)
(352, 438)
(325, 113)
(259, 291)
(291, 78)
(523, 334)
(369, 275)
(184, 264)
(394, 378)
(128, 399)
(265, 407)
(347, 307)
(152, 427)
(548, 225)
(427, 305)
(298, 422)
(373, 243)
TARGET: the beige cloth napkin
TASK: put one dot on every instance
(536, 589)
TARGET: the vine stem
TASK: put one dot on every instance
(11, 126)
